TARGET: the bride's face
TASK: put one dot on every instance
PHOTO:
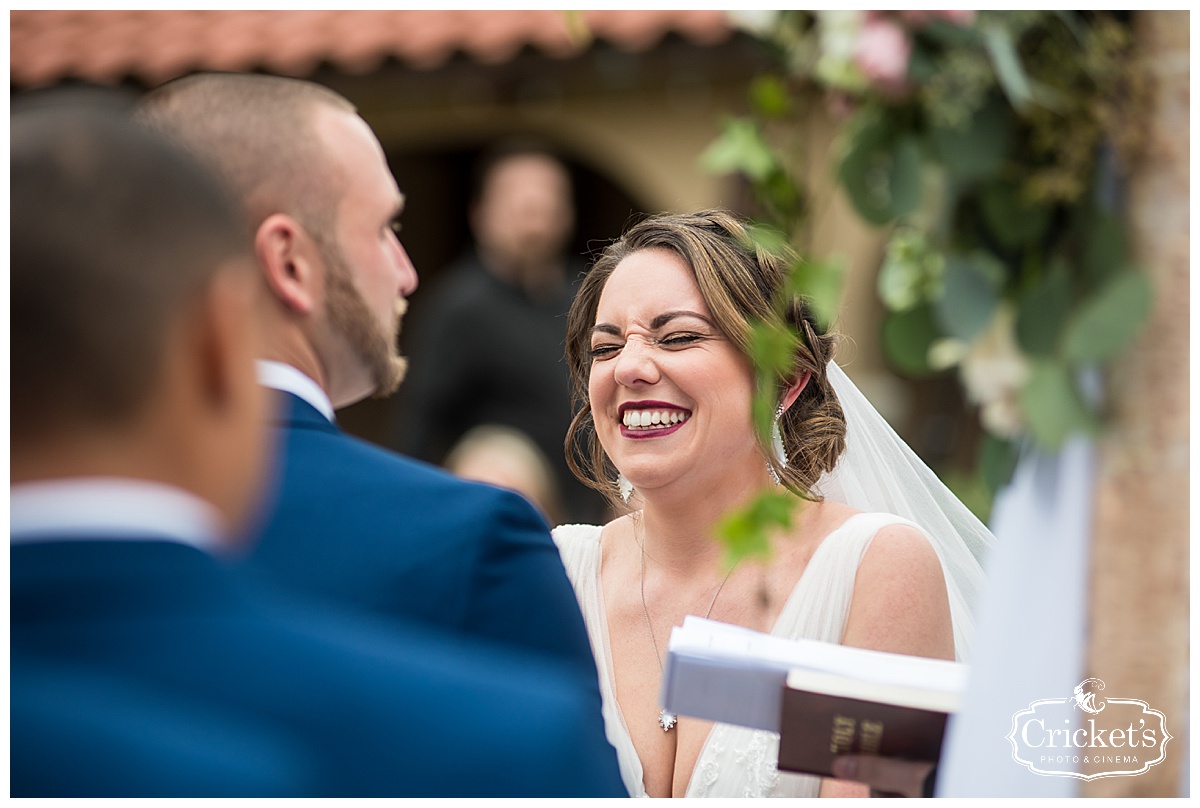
(670, 395)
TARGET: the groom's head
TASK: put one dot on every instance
(320, 203)
(132, 291)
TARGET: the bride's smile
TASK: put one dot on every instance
(651, 419)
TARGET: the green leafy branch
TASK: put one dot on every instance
(986, 155)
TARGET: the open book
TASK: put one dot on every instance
(823, 699)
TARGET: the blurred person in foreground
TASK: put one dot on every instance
(488, 349)
(142, 665)
(356, 525)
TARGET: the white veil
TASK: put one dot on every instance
(878, 472)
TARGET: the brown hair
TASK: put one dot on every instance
(258, 133)
(740, 284)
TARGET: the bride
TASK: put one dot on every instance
(657, 345)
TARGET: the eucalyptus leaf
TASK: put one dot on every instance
(769, 95)
(948, 33)
(867, 171)
(780, 196)
(1105, 252)
(820, 283)
(907, 338)
(911, 272)
(922, 64)
(766, 238)
(1007, 64)
(773, 348)
(746, 531)
(1109, 320)
(978, 151)
(970, 295)
(1052, 405)
(762, 405)
(741, 536)
(904, 179)
(1013, 220)
(741, 148)
(773, 510)
(997, 461)
(1042, 311)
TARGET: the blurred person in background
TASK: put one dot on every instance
(141, 663)
(353, 524)
(488, 349)
(507, 458)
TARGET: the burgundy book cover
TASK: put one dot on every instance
(815, 727)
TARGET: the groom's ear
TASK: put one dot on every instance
(795, 389)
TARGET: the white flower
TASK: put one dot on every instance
(994, 371)
(1003, 418)
(758, 23)
(946, 353)
(838, 33)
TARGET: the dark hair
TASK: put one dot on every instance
(113, 232)
(740, 283)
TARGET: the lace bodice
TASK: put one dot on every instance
(734, 761)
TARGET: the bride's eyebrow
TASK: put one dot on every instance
(662, 319)
(655, 324)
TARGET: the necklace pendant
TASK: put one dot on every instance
(666, 720)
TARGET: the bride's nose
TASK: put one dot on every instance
(635, 365)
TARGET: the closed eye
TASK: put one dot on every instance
(603, 351)
(680, 340)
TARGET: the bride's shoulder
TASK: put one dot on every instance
(573, 534)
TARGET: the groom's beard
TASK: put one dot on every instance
(373, 342)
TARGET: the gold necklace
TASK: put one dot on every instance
(667, 719)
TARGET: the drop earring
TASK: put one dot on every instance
(777, 446)
(625, 487)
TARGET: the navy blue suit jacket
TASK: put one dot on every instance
(368, 528)
(148, 668)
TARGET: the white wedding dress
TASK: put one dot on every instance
(734, 761)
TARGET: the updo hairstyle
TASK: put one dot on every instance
(739, 283)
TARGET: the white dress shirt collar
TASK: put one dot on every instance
(283, 377)
(111, 508)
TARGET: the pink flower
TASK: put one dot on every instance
(916, 20)
(957, 16)
(882, 54)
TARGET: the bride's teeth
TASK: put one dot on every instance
(643, 419)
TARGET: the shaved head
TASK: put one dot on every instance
(259, 134)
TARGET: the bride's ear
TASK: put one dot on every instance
(797, 387)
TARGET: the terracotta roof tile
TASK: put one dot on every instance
(153, 46)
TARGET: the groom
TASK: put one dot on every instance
(354, 524)
(141, 665)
